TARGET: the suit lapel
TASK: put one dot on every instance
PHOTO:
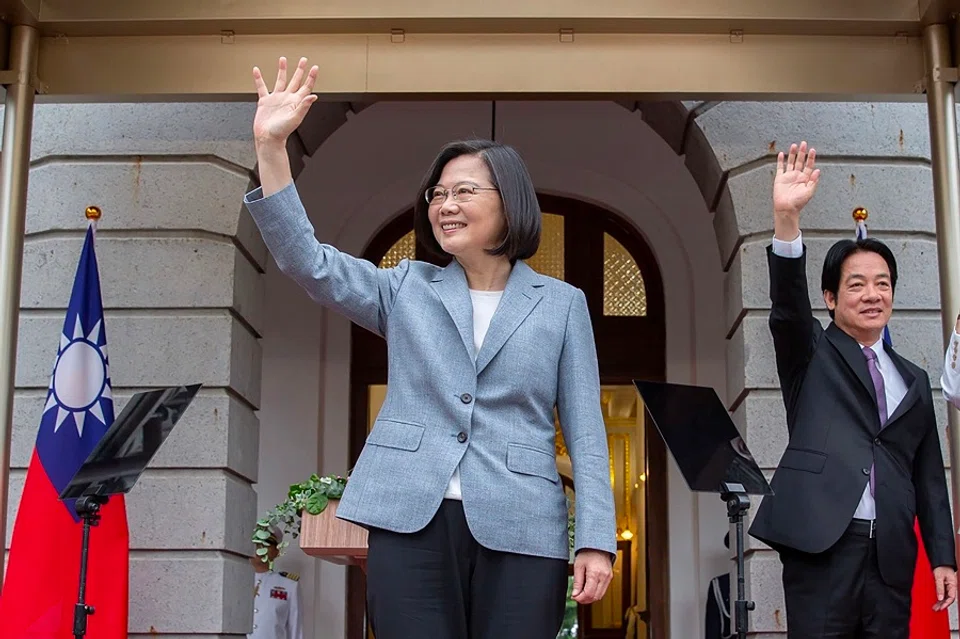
(850, 351)
(451, 287)
(520, 296)
(909, 379)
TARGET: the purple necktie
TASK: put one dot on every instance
(881, 398)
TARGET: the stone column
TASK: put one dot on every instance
(180, 266)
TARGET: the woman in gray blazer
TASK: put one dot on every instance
(457, 482)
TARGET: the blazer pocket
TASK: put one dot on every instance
(526, 460)
(799, 459)
(396, 434)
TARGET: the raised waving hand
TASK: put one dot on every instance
(795, 183)
(280, 113)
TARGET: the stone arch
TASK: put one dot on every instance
(672, 120)
(321, 122)
(633, 174)
(676, 123)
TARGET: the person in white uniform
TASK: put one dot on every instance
(276, 598)
(950, 380)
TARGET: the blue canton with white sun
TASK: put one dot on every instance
(78, 386)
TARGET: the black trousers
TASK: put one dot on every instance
(439, 583)
(839, 593)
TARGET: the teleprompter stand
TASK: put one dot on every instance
(89, 510)
(115, 465)
(711, 455)
(738, 502)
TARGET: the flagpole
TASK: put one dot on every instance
(942, 115)
(14, 170)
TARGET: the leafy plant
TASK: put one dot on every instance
(311, 496)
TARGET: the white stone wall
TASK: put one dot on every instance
(180, 267)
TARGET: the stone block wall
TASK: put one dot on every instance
(180, 267)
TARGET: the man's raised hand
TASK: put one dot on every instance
(795, 183)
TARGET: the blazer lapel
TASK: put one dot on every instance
(520, 296)
(850, 351)
(451, 287)
(910, 380)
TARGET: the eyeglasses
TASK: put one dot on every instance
(437, 195)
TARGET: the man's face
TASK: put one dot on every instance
(864, 301)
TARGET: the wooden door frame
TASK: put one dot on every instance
(368, 365)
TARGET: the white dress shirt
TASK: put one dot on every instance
(485, 304)
(950, 379)
(893, 385)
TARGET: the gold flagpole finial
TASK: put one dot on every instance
(93, 213)
(860, 214)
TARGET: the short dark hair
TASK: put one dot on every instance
(838, 254)
(513, 182)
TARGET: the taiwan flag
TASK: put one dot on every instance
(43, 570)
(925, 622)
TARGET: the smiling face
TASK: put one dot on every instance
(864, 300)
(467, 227)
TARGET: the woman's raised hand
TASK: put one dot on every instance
(281, 112)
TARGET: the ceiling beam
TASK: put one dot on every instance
(370, 67)
(250, 17)
(375, 49)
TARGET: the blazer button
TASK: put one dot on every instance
(865, 471)
(877, 441)
(466, 398)
(462, 437)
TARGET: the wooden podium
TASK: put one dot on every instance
(325, 537)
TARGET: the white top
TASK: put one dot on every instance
(276, 607)
(485, 304)
(950, 380)
(893, 385)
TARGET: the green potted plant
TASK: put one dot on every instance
(311, 496)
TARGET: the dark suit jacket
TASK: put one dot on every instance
(835, 435)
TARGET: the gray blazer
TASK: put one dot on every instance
(491, 412)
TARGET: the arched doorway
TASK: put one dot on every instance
(596, 251)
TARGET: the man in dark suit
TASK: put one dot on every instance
(863, 457)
